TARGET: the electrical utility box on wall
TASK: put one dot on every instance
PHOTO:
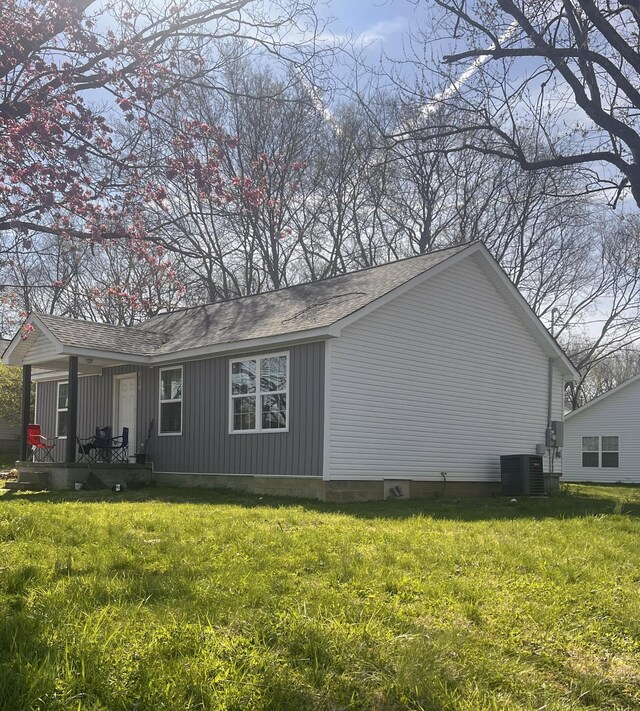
(555, 434)
(522, 475)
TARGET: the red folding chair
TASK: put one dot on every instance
(39, 443)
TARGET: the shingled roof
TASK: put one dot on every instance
(87, 334)
(292, 310)
(299, 312)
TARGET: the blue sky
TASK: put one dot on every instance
(380, 24)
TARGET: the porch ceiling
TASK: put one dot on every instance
(86, 366)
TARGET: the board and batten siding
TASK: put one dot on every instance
(95, 404)
(205, 445)
(444, 378)
(616, 415)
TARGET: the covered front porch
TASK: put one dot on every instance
(48, 352)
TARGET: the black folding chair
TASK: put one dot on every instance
(120, 447)
(96, 448)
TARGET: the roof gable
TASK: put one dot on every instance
(596, 401)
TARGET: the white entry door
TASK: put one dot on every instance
(126, 408)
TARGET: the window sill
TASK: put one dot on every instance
(245, 432)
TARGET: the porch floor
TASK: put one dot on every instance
(59, 475)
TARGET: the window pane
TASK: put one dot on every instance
(610, 459)
(590, 444)
(62, 424)
(243, 377)
(244, 413)
(274, 412)
(590, 459)
(273, 374)
(171, 384)
(63, 396)
(170, 415)
(609, 444)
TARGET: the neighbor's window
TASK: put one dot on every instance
(600, 452)
(259, 391)
(610, 452)
(62, 409)
(171, 400)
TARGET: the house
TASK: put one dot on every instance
(601, 438)
(9, 430)
(411, 377)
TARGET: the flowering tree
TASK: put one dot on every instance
(73, 70)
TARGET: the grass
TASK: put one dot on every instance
(168, 600)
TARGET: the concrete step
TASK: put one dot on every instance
(38, 479)
(24, 486)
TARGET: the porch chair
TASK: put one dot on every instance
(120, 447)
(102, 447)
(39, 444)
(94, 449)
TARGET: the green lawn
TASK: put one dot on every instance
(160, 599)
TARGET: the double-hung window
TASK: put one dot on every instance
(259, 394)
(601, 452)
(171, 400)
(62, 409)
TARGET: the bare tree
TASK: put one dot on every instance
(570, 70)
(612, 306)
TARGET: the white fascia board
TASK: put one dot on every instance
(105, 355)
(515, 299)
(253, 344)
(602, 397)
(202, 351)
(407, 286)
(527, 315)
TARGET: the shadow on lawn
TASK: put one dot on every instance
(579, 501)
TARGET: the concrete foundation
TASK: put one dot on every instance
(333, 491)
(39, 475)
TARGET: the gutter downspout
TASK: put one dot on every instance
(550, 433)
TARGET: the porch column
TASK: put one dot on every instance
(72, 413)
(26, 409)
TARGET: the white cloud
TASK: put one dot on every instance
(378, 32)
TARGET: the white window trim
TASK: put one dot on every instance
(600, 438)
(258, 394)
(161, 401)
(60, 409)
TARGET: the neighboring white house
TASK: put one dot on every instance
(602, 438)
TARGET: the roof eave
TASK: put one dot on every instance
(253, 344)
(604, 396)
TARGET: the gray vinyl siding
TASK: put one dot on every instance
(205, 444)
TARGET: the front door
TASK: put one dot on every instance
(126, 408)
